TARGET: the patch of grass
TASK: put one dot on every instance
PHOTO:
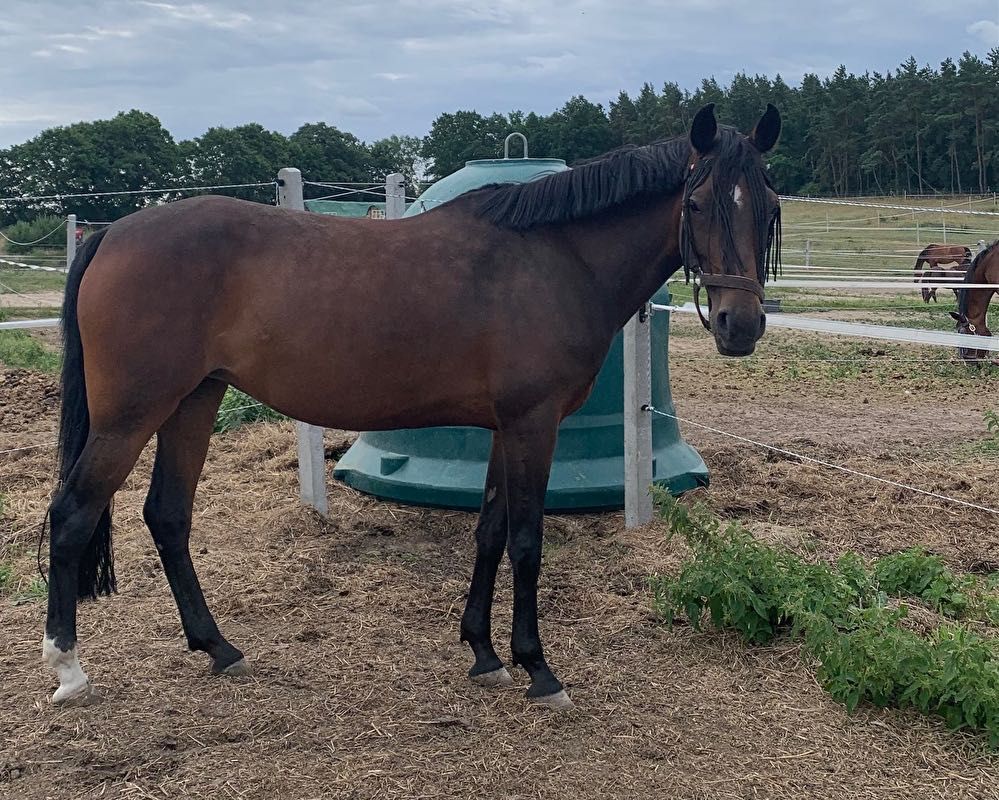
(30, 280)
(841, 613)
(9, 586)
(20, 350)
(826, 358)
(989, 444)
(35, 312)
(238, 409)
(37, 591)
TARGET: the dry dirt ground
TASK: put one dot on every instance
(350, 624)
(31, 299)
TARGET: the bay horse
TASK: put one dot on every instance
(494, 310)
(936, 255)
(973, 304)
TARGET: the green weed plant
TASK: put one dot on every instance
(846, 615)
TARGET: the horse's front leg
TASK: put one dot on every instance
(528, 447)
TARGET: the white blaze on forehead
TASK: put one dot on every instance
(737, 196)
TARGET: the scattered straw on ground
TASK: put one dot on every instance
(350, 624)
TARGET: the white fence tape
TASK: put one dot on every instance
(881, 332)
(51, 322)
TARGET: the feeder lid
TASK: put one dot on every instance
(481, 172)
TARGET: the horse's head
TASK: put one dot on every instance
(971, 356)
(730, 226)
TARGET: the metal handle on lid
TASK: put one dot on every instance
(506, 144)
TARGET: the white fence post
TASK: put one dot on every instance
(808, 252)
(311, 453)
(637, 421)
(943, 224)
(395, 196)
(70, 240)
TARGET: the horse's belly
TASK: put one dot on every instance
(354, 390)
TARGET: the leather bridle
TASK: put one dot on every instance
(706, 279)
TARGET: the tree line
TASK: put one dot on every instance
(914, 130)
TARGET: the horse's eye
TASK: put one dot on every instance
(692, 206)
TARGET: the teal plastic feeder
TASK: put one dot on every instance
(447, 466)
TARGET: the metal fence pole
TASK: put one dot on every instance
(637, 421)
(70, 240)
(395, 195)
(311, 452)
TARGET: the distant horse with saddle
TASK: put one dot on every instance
(938, 256)
(973, 303)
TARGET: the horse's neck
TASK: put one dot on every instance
(991, 275)
(982, 297)
(630, 251)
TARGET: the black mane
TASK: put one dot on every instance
(632, 172)
(963, 294)
(610, 180)
(588, 188)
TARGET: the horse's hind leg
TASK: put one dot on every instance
(78, 507)
(490, 541)
(182, 444)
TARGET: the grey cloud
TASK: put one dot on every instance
(987, 30)
(377, 68)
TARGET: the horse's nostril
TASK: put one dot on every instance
(722, 321)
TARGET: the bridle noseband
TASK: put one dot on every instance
(708, 280)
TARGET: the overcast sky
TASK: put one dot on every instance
(377, 67)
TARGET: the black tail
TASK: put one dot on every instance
(96, 575)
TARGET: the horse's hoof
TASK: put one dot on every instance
(497, 678)
(237, 669)
(556, 702)
(75, 695)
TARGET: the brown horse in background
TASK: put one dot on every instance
(494, 310)
(936, 255)
(973, 304)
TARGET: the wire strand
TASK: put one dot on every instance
(58, 228)
(165, 190)
(891, 207)
(822, 463)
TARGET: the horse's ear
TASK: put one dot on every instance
(704, 129)
(764, 135)
(959, 317)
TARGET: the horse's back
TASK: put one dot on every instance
(427, 319)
